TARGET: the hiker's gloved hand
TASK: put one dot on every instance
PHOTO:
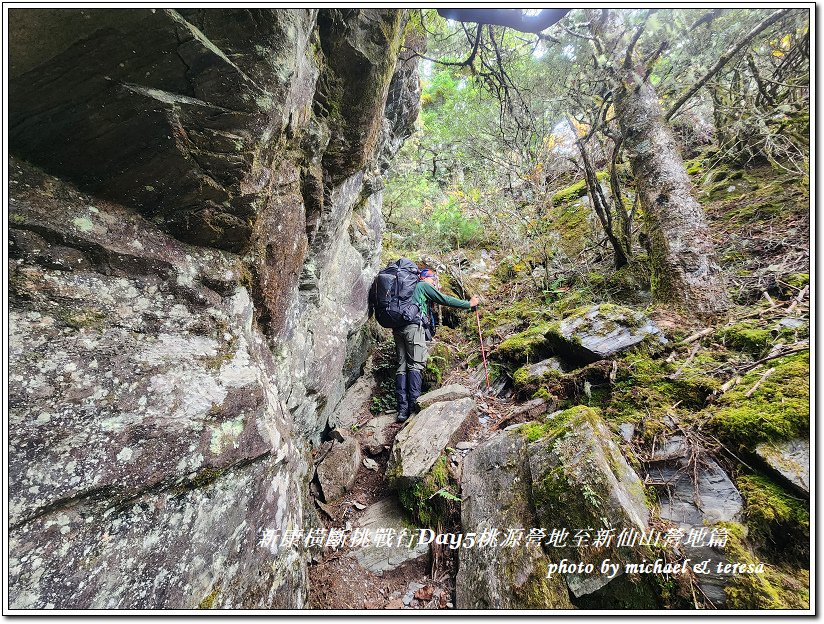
(474, 301)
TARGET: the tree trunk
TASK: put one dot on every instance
(684, 268)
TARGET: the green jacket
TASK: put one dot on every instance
(424, 293)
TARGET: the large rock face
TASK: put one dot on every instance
(144, 410)
(580, 479)
(179, 335)
(496, 493)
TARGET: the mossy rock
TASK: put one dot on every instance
(597, 332)
(572, 224)
(528, 345)
(778, 409)
(570, 193)
(580, 479)
(774, 588)
(529, 378)
(779, 522)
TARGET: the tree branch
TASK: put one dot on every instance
(635, 38)
(725, 58)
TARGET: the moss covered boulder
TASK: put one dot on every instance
(529, 345)
(597, 332)
(582, 483)
(495, 487)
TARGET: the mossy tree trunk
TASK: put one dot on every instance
(684, 269)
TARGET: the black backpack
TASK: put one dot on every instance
(392, 292)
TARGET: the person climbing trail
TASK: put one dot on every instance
(401, 299)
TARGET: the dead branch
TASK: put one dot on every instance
(687, 361)
(752, 390)
(724, 59)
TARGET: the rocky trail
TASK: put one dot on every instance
(382, 576)
(547, 472)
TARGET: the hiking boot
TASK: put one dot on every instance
(414, 383)
(401, 394)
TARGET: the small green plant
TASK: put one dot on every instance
(445, 493)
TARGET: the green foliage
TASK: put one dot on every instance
(431, 499)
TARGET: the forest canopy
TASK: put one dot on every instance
(515, 123)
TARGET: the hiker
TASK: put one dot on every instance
(410, 322)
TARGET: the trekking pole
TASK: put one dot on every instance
(483, 353)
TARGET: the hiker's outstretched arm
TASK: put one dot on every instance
(438, 297)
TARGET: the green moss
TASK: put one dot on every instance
(521, 376)
(559, 423)
(746, 336)
(433, 371)
(542, 393)
(694, 166)
(574, 191)
(571, 222)
(767, 503)
(778, 409)
(775, 588)
(522, 313)
(81, 318)
(644, 390)
(779, 522)
(422, 498)
(528, 345)
(798, 280)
